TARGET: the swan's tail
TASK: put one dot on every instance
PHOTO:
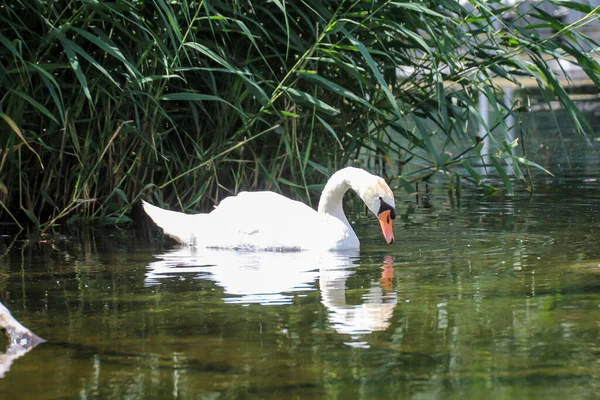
(179, 226)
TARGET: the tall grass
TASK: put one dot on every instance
(184, 102)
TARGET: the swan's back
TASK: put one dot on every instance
(264, 221)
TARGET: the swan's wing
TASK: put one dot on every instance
(266, 220)
(260, 202)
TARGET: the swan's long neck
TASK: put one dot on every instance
(333, 193)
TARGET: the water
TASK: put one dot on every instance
(479, 297)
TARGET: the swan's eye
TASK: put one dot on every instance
(385, 206)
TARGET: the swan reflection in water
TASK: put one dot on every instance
(270, 278)
(375, 310)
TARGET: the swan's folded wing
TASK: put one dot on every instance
(262, 203)
(266, 220)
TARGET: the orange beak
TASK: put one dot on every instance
(385, 220)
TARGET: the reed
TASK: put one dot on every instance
(184, 102)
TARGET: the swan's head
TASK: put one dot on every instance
(372, 189)
(379, 198)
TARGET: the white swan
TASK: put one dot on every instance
(269, 221)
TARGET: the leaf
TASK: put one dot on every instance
(516, 169)
(318, 167)
(185, 96)
(575, 5)
(331, 130)
(419, 8)
(153, 78)
(532, 164)
(478, 178)
(10, 47)
(108, 46)
(210, 54)
(35, 104)
(428, 143)
(53, 88)
(503, 175)
(292, 184)
(119, 192)
(74, 61)
(374, 69)
(289, 114)
(306, 99)
(335, 88)
(32, 217)
(408, 187)
(16, 130)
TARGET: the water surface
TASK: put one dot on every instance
(479, 297)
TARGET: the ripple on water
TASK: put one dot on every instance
(476, 296)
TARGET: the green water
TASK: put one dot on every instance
(482, 297)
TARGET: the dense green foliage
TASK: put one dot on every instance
(184, 102)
